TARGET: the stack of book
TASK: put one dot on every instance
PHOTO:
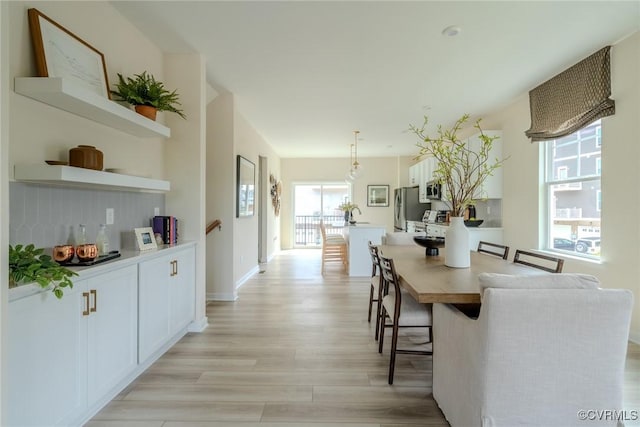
(167, 227)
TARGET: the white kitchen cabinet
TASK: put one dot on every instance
(358, 237)
(476, 234)
(414, 175)
(153, 314)
(492, 186)
(47, 358)
(66, 354)
(420, 174)
(427, 167)
(182, 291)
(112, 330)
(167, 298)
(67, 358)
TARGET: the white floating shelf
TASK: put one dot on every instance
(87, 178)
(62, 94)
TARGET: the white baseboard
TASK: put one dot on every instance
(243, 279)
(226, 296)
(634, 337)
(221, 296)
(198, 325)
(104, 400)
(272, 255)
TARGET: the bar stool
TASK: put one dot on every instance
(334, 248)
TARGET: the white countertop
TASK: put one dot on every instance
(127, 257)
(482, 227)
(365, 225)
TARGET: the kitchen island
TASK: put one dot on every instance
(358, 237)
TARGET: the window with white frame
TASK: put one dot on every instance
(574, 196)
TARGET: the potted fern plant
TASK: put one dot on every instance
(147, 95)
(28, 264)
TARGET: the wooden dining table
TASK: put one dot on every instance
(428, 280)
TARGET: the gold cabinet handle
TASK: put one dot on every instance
(85, 312)
(174, 268)
(95, 300)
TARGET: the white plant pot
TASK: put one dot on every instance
(456, 244)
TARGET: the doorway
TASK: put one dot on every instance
(315, 202)
(263, 194)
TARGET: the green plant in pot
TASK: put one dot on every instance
(28, 264)
(147, 95)
(460, 168)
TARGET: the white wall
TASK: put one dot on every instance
(619, 266)
(185, 163)
(232, 254)
(4, 198)
(40, 132)
(392, 171)
(220, 198)
(250, 145)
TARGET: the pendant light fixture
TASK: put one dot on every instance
(349, 176)
(356, 168)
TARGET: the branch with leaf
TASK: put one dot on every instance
(28, 264)
(460, 169)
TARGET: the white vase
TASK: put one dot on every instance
(456, 244)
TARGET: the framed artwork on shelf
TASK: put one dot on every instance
(145, 238)
(378, 195)
(60, 53)
(246, 185)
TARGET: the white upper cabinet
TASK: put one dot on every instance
(414, 175)
(420, 174)
(492, 186)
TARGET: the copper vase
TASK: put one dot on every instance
(86, 156)
(87, 252)
(63, 253)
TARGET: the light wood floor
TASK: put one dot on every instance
(294, 350)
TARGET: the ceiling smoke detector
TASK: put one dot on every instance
(451, 31)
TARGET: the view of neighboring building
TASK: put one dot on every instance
(574, 166)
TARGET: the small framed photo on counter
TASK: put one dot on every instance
(378, 195)
(145, 238)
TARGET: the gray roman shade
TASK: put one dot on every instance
(572, 99)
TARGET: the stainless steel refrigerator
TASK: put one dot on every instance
(407, 207)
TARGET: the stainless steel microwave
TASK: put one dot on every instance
(434, 190)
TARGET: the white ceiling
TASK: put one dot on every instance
(306, 74)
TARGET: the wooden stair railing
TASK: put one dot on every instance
(217, 223)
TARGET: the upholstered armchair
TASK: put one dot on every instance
(542, 349)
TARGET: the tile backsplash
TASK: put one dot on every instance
(44, 215)
(489, 210)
